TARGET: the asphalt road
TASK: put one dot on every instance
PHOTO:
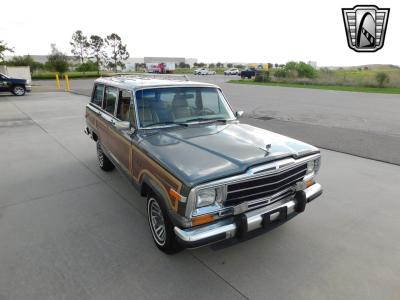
(70, 231)
(362, 124)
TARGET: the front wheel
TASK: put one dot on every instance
(18, 90)
(162, 229)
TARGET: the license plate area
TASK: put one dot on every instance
(276, 215)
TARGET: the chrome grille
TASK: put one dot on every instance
(265, 186)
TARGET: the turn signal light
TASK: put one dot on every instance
(310, 183)
(202, 220)
(174, 195)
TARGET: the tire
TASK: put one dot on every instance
(18, 90)
(104, 163)
(161, 227)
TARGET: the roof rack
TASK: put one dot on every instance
(180, 77)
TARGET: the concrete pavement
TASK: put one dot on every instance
(70, 231)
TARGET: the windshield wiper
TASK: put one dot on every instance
(166, 123)
(207, 120)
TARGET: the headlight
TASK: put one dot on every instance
(209, 196)
(310, 166)
(313, 165)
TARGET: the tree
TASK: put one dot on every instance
(211, 66)
(276, 65)
(229, 65)
(80, 45)
(25, 60)
(182, 65)
(219, 65)
(118, 52)
(382, 78)
(4, 48)
(96, 48)
(57, 61)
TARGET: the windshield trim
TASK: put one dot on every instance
(175, 125)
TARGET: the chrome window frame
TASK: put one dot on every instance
(93, 92)
(251, 174)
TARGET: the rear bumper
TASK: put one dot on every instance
(28, 88)
(249, 221)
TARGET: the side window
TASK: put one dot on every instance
(98, 95)
(124, 104)
(110, 97)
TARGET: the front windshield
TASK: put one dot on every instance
(180, 105)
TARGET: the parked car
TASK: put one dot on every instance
(248, 73)
(14, 85)
(232, 71)
(203, 71)
(207, 176)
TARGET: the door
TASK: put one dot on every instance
(119, 141)
(4, 83)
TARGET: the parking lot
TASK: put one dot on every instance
(70, 231)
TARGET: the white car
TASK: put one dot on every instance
(203, 71)
(232, 71)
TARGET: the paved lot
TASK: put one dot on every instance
(363, 124)
(70, 231)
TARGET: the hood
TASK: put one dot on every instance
(203, 153)
(18, 80)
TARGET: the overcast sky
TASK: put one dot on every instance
(209, 30)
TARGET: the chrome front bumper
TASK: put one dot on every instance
(248, 221)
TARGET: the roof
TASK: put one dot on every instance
(135, 82)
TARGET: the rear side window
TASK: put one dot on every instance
(124, 105)
(98, 95)
(110, 97)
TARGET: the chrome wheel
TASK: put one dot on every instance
(156, 220)
(19, 91)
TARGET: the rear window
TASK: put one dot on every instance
(98, 95)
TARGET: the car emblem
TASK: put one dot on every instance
(365, 27)
(268, 147)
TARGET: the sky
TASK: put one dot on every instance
(209, 30)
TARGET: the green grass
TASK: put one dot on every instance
(384, 90)
(52, 75)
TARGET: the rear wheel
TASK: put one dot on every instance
(104, 163)
(161, 226)
(18, 90)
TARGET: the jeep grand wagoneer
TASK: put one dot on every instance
(207, 177)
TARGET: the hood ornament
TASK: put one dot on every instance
(266, 149)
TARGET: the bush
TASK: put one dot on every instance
(87, 67)
(25, 60)
(381, 78)
(280, 72)
(262, 76)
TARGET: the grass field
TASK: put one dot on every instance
(385, 90)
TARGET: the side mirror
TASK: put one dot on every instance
(122, 125)
(239, 113)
